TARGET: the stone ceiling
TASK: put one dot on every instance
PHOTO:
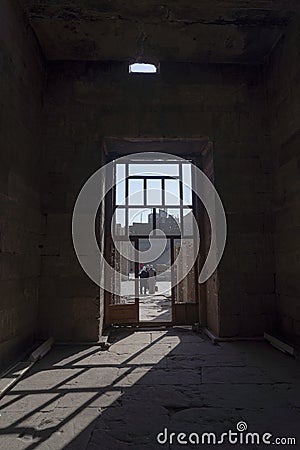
(210, 31)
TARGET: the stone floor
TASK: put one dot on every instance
(84, 398)
(156, 308)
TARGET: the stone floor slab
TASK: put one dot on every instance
(83, 398)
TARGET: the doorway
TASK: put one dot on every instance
(155, 291)
(152, 243)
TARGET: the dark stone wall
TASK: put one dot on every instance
(251, 115)
(21, 84)
(283, 112)
(86, 102)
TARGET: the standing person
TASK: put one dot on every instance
(144, 275)
(152, 279)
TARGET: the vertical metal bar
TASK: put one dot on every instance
(181, 198)
(136, 279)
(172, 278)
(145, 191)
(181, 184)
(126, 198)
(154, 218)
(126, 183)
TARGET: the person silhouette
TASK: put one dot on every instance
(144, 275)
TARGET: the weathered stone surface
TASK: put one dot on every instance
(52, 140)
(208, 31)
(89, 101)
(22, 75)
(282, 77)
(63, 403)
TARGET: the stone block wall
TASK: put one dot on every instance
(52, 141)
(282, 78)
(22, 79)
(87, 102)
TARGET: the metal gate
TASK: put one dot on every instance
(161, 300)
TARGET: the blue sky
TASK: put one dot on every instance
(142, 68)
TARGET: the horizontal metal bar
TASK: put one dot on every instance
(153, 206)
(151, 161)
(153, 177)
(125, 237)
